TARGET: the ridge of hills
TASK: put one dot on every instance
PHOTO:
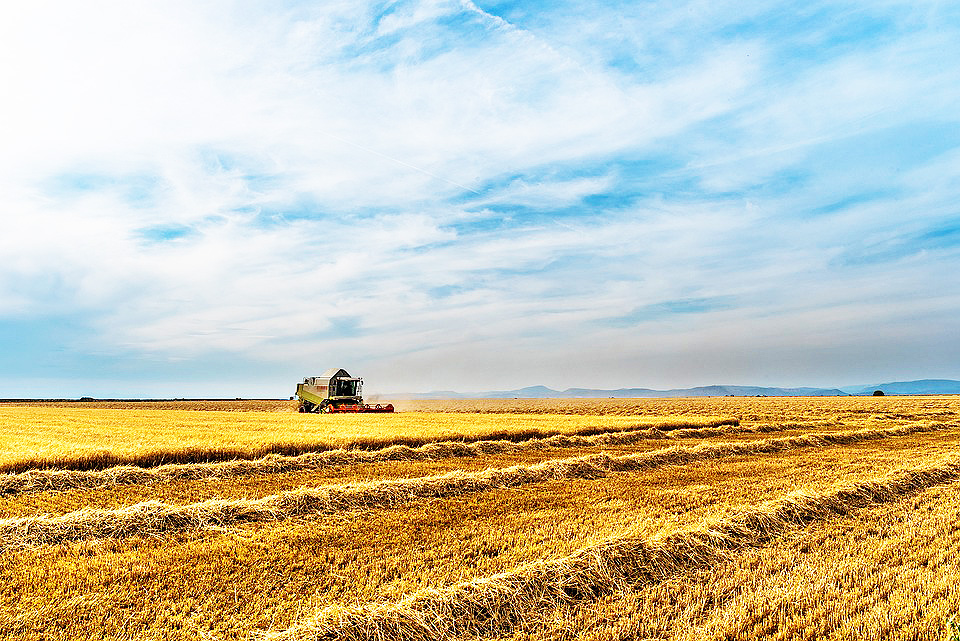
(918, 387)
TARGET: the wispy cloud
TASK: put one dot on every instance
(478, 194)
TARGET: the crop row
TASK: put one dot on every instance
(494, 605)
(41, 438)
(41, 480)
(154, 518)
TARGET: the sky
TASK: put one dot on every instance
(216, 199)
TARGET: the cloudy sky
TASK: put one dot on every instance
(218, 198)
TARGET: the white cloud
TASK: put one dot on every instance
(314, 168)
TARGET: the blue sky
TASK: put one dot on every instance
(219, 198)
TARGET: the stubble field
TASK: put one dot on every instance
(726, 518)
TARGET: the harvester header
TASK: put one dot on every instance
(334, 391)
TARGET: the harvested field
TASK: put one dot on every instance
(499, 603)
(81, 437)
(748, 409)
(200, 405)
(154, 518)
(883, 572)
(787, 526)
(38, 480)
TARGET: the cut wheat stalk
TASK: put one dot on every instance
(155, 518)
(211, 454)
(61, 480)
(493, 606)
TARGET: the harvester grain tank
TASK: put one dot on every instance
(334, 391)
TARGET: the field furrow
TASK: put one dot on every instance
(83, 439)
(58, 480)
(529, 527)
(494, 605)
(154, 518)
(884, 572)
(180, 586)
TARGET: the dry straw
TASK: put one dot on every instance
(155, 518)
(212, 454)
(59, 480)
(493, 606)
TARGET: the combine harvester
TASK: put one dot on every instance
(334, 391)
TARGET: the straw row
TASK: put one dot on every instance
(493, 606)
(155, 518)
(60, 480)
(152, 458)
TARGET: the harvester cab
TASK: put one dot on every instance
(334, 391)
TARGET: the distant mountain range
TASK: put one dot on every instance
(926, 386)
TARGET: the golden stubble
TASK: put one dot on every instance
(84, 437)
(231, 580)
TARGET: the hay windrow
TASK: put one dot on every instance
(154, 518)
(61, 480)
(494, 605)
(204, 455)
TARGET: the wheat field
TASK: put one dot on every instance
(723, 518)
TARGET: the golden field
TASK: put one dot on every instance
(78, 435)
(596, 519)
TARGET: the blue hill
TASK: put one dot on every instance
(925, 386)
